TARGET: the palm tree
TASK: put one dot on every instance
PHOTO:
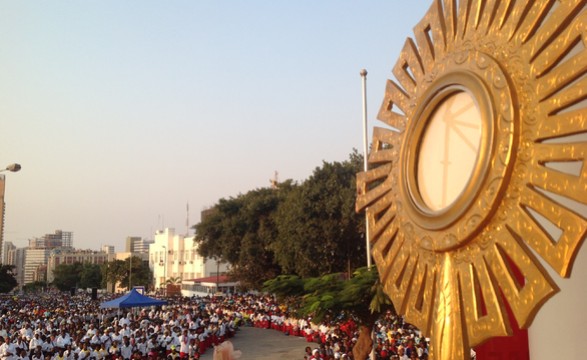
(173, 281)
(173, 286)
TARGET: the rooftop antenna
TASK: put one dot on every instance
(187, 219)
(161, 222)
(275, 180)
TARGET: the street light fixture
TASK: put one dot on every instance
(12, 168)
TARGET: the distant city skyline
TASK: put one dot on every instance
(121, 113)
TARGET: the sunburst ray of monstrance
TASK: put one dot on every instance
(472, 178)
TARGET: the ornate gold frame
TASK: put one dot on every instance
(452, 271)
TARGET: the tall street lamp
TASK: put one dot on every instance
(12, 168)
(129, 271)
(164, 266)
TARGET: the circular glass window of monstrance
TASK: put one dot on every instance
(449, 150)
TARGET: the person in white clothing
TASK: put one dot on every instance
(37, 355)
(35, 341)
(184, 344)
(125, 320)
(126, 348)
(26, 331)
(7, 350)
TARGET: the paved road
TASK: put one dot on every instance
(263, 344)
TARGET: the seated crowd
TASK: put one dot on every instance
(335, 339)
(54, 325)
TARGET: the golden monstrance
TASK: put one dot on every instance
(481, 151)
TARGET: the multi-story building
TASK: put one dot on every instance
(142, 247)
(173, 256)
(71, 256)
(130, 243)
(66, 238)
(136, 245)
(108, 249)
(36, 255)
(34, 259)
(15, 256)
(58, 239)
(7, 250)
(40, 273)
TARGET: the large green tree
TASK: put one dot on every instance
(121, 271)
(90, 276)
(7, 280)
(138, 273)
(240, 230)
(77, 275)
(306, 229)
(113, 272)
(67, 276)
(319, 231)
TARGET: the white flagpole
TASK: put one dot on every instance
(365, 162)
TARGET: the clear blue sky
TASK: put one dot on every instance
(121, 112)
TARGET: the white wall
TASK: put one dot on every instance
(558, 331)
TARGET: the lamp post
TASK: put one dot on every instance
(12, 168)
(164, 264)
(129, 271)
(217, 275)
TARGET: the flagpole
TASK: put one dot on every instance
(365, 160)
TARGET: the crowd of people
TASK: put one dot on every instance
(335, 339)
(55, 325)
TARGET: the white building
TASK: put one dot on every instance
(173, 256)
(16, 256)
(35, 260)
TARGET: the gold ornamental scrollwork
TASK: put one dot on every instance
(497, 90)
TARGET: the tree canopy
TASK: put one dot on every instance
(7, 280)
(318, 230)
(121, 271)
(240, 231)
(77, 275)
(305, 229)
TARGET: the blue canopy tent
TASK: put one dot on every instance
(132, 299)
